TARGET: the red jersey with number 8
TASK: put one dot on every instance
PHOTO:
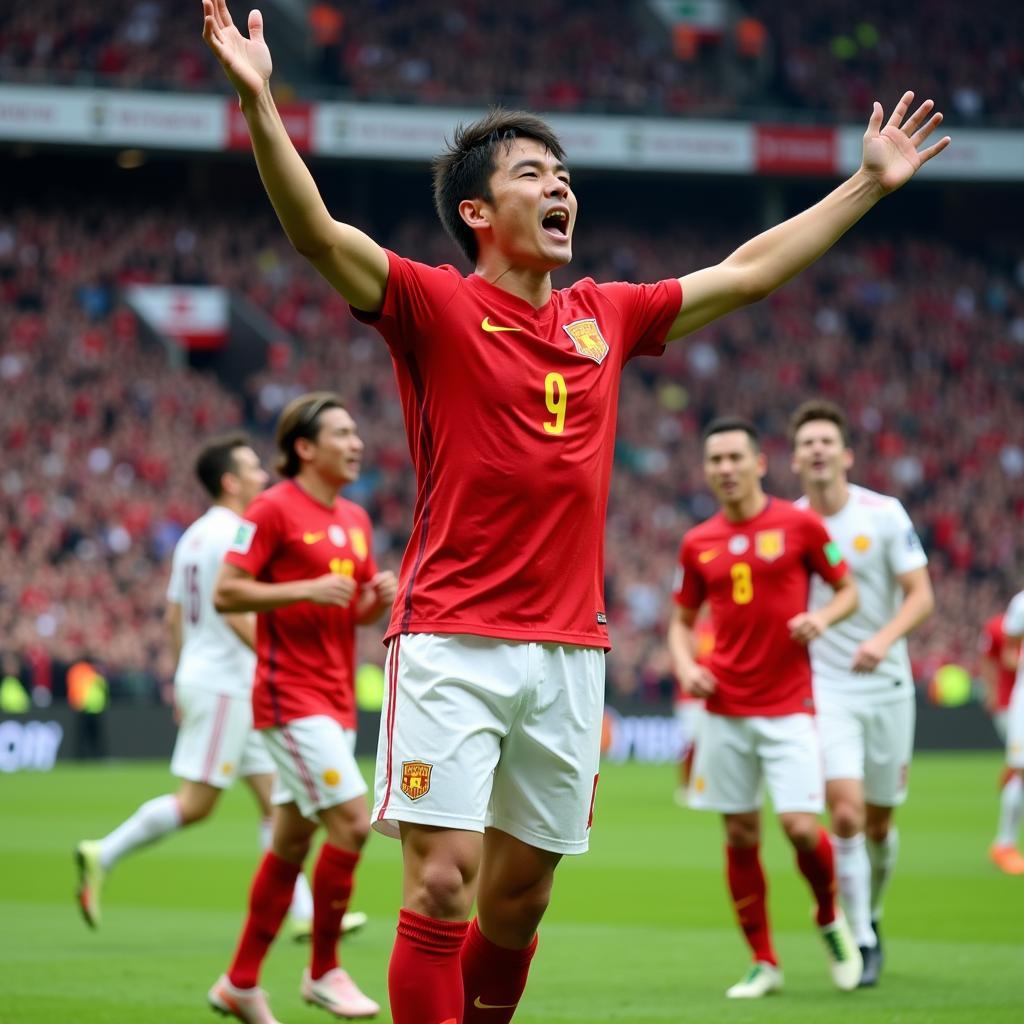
(755, 576)
(510, 417)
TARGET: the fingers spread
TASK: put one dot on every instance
(900, 111)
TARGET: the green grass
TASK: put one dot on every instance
(640, 929)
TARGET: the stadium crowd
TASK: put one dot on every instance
(797, 59)
(914, 337)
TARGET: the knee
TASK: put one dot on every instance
(741, 833)
(194, 810)
(802, 830)
(877, 831)
(348, 829)
(847, 818)
(442, 889)
(292, 848)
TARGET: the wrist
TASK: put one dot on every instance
(868, 185)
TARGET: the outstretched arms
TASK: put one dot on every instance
(892, 155)
(352, 262)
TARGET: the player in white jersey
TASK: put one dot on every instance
(1005, 853)
(863, 685)
(212, 686)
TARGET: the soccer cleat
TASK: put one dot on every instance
(1008, 859)
(90, 880)
(762, 979)
(302, 927)
(353, 921)
(245, 1004)
(872, 958)
(844, 959)
(337, 993)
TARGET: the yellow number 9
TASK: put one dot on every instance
(556, 397)
(742, 583)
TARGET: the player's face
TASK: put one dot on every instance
(337, 452)
(250, 474)
(819, 455)
(733, 468)
(533, 214)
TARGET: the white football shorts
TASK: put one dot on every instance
(868, 740)
(1015, 728)
(479, 733)
(316, 764)
(216, 741)
(738, 757)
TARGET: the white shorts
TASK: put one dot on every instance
(216, 741)
(479, 733)
(999, 724)
(736, 755)
(1015, 728)
(316, 764)
(688, 715)
(868, 740)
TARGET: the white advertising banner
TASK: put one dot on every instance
(193, 315)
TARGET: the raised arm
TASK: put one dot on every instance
(354, 264)
(891, 158)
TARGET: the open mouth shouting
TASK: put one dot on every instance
(556, 223)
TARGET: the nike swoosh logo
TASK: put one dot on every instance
(312, 538)
(493, 1006)
(494, 328)
(707, 556)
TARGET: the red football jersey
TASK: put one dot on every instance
(510, 416)
(993, 642)
(756, 576)
(306, 651)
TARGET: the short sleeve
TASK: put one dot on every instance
(646, 311)
(988, 641)
(689, 590)
(904, 548)
(256, 538)
(1013, 621)
(823, 554)
(175, 584)
(413, 296)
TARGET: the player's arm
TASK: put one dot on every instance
(238, 591)
(918, 603)
(354, 264)
(890, 158)
(808, 626)
(172, 622)
(243, 625)
(376, 597)
(695, 679)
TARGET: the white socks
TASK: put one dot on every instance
(302, 897)
(153, 820)
(883, 859)
(853, 874)
(1011, 809)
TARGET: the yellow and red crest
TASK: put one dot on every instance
(416, 778)
(359, 545)
(587, 338)
(769, 544)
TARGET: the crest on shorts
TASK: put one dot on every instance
(769, 544)
(588, 339)
(416, 778)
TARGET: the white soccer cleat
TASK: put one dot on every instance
(245, 1004)
(337, 993)
(761, 980)
(301, 928)
(90, 880)
(844, 959)
(353, 921)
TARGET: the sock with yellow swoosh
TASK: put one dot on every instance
(332, 889)
(749, 891)
(493, 977)
(424, 976)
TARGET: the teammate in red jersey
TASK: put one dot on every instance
(752, 564)
(489, 755)
(1000, 658)
(303, 560)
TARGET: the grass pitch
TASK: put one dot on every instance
(640, 930)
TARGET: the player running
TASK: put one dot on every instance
(488, 759)
(863, 684)
(752, 563)
(302, 559)
(1005, 853)
(212, 684)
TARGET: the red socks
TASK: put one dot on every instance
(819, 868)
(269, 899)
(332, 887)
(493, 977)
(425, 973)
(749, 896)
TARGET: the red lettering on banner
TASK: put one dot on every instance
(786, 149)
(297, 118)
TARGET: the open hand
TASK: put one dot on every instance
(246, 62)
(891, 154)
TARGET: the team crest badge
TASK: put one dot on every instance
(769, 544)
(861, 543)
(337, 535)
(359, 544)
(587, 338)
(416, 778)
(738, 544)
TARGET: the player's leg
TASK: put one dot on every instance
(1004, 852)
(449, 703)
(790, 752)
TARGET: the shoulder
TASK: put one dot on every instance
(349, 512)
(790, 513)
(876, 505)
